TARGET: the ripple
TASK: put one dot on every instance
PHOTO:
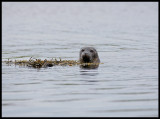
(134, 93)
(8, 104)
(135, 100)
(109, 88)
(17, 99)
(127, 110)
(27, 83)
(66, 100)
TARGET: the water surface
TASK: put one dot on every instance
(125, 36)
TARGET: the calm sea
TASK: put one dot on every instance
(125, 35)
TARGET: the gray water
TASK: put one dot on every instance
(125, 36)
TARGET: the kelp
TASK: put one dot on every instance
(38, 63)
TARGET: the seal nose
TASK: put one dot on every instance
(86, 57)
(85, 54)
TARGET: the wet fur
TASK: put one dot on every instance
(89, 55)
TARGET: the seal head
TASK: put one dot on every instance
(89, 55)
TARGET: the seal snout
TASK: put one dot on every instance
(86, 58)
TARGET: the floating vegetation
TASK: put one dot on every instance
(38, 63)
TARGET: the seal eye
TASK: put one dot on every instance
(91, 51)
(82, 50)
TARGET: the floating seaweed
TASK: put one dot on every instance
(38, 63)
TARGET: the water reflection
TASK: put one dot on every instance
(89, 72)
(89, 66)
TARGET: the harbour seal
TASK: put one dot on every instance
(89, 55)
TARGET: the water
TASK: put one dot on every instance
(125, 36)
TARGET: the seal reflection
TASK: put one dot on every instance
(86, 72)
